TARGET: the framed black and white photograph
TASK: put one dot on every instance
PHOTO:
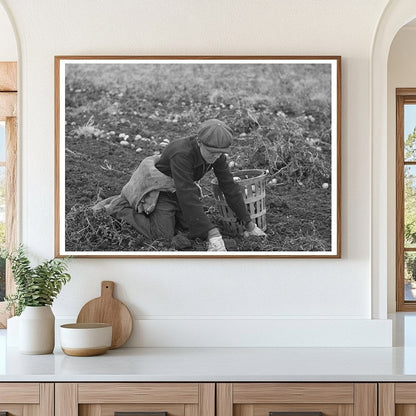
(198, 156)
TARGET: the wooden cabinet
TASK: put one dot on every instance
(208, 399)
(309, 399)
(107, 399)
(27, 399)
(397, 399)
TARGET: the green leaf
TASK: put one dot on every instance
(35, 286)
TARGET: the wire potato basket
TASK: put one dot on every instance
(253, 186)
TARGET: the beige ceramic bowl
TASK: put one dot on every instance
(83, 340)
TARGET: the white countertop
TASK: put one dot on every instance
(215, 364)
(221, 364)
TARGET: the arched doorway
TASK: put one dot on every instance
(396, 15)
(401, 101)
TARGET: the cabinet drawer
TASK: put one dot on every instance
(138, 393)
(296, 399)
(146, 399)
(19, 393)
(21, 399)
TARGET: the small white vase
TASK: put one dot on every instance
(37, 330)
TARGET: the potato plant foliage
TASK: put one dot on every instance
(35, 285)
(116, 115)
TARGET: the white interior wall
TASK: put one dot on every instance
(401, 74)
(202, 302)
(8, 46)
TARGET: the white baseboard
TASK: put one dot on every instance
(212, 332)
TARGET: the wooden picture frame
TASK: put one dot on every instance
(285, 113)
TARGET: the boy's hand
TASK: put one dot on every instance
(253, 230)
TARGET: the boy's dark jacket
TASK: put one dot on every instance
(182, 161)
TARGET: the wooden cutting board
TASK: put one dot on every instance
(109, 310)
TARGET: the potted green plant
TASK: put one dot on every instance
(36, 289)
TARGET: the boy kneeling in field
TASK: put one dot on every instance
(162, 198)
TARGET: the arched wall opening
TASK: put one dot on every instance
(401, 74)
(396, 15)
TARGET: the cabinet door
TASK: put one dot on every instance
(297, 399)
(397, 399)
(142, 399)
(26, 399)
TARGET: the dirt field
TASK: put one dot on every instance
(118, 114)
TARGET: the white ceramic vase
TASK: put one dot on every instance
(37, 330)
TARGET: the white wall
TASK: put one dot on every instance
(8, 46)
(401, 74)
(203, 302)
